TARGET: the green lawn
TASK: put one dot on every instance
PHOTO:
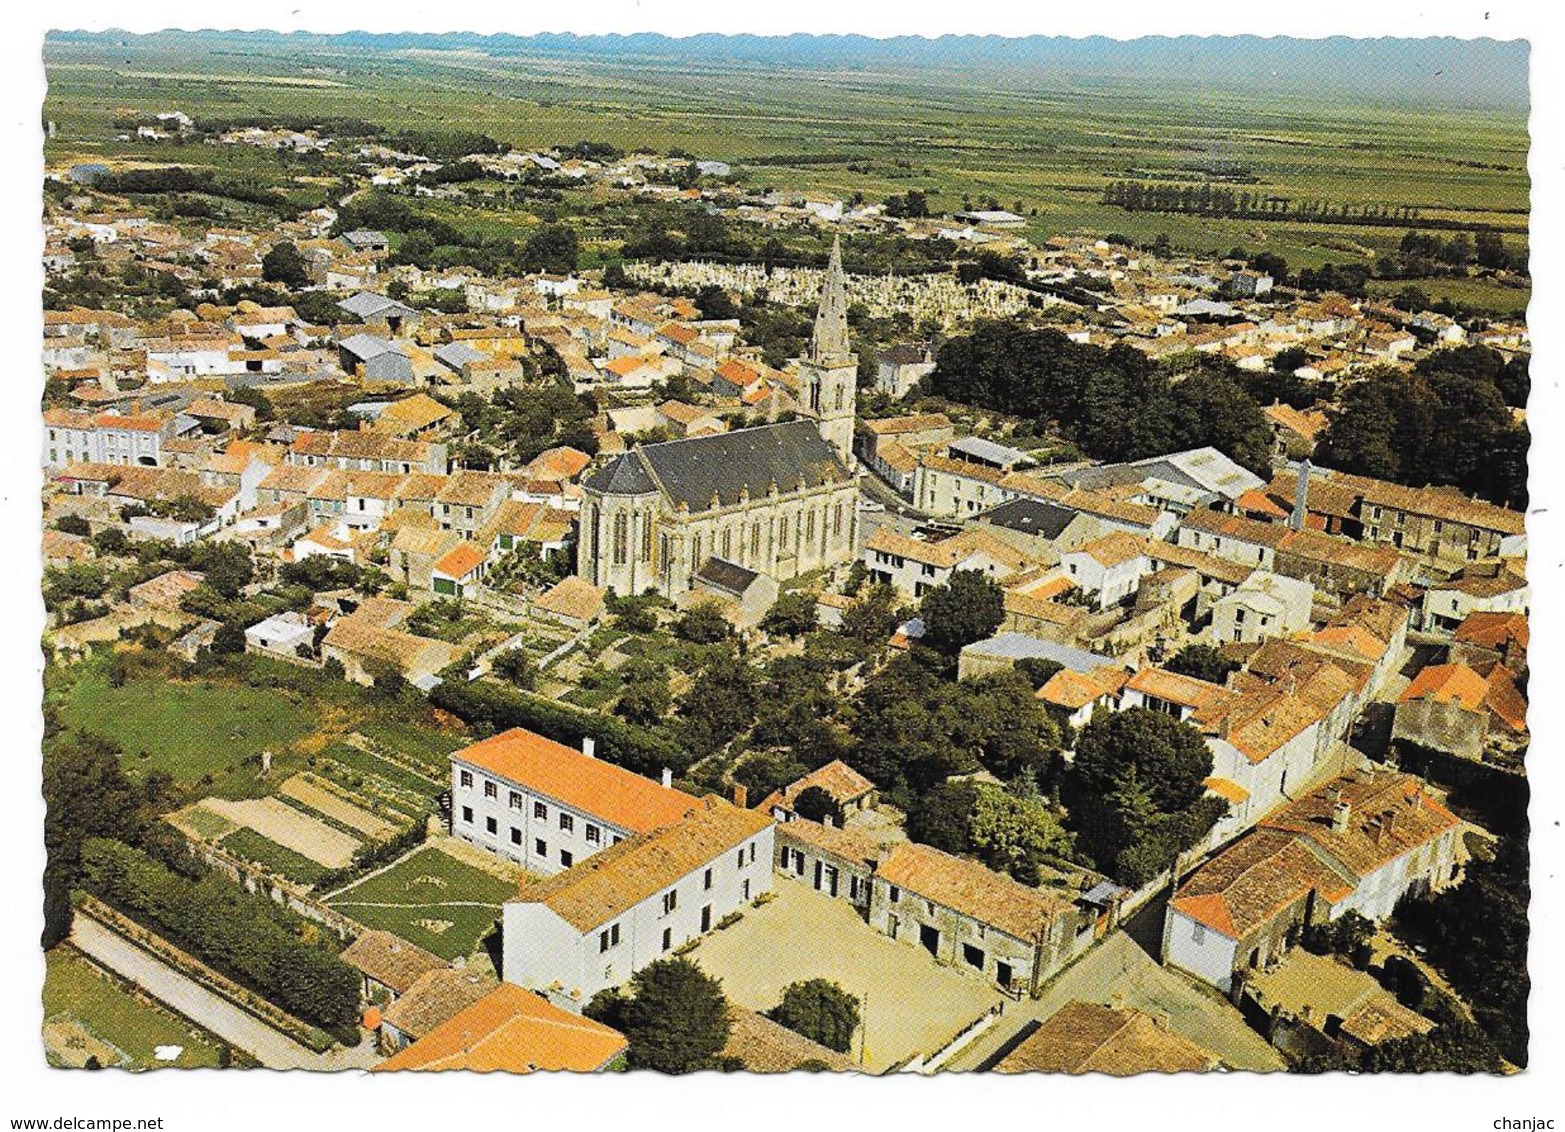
(250, 845)
(188, 729)
(76, 992)
(433, 886)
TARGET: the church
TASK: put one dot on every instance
(778, 499)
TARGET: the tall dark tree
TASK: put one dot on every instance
(968, 608)
(284, 264)
(677, 1018)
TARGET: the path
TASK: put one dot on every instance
(207, 1009)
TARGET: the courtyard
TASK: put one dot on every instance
(911, 1004)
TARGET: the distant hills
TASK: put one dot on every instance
(1421, 72)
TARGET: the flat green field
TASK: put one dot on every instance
(187, 729)
(83, 1008)
(250, 845)
(1045, 144)
(429, 898)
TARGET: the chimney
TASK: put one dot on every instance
(589, 746)
(668, 778)
(1341, 814)
(1301, 497)
(741, 797)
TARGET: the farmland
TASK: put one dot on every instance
(1036, 142)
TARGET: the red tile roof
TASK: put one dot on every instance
(617, 796)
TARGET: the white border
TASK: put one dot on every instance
(213, 1100)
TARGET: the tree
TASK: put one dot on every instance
(1202, 662)
(284, 264)
(943, 816)
(968, 608)
(791, 615)
(552, 248)
(227, 566)
(873, 617)
(1136, 793)
(1477, 935)
(646, 698)
(703, 624)
(720, 703)
(820, 1010)
(677, 1018)
(763, 772)
(87, 794)
(515, 667)
(1011, 834)
(817, 805)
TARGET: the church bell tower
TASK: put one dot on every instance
(829, 370)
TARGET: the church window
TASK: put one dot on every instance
(728, 542)
(836, 521)
(815, 396)
(755, 539)
(841, 397)
(621, 538)
(809, 529)
(695, 553)
(646, 539)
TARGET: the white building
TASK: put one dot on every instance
(1265, 605)
(1358, 844)
(595, 925)
(912, 566)
(1110, 567)
(532, 800)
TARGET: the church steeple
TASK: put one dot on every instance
(829, 343)
(829, 367)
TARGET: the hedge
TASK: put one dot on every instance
(624, 744)
(237, 933)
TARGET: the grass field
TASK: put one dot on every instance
(1042, 142)
(429, 898)
(87, 1008)
(187, 729)
(251, 846)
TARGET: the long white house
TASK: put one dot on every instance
(549, 806)
(595, 925)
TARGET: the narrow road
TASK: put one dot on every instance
(208, 1009)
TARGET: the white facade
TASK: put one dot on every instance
(1264, 606)
(1191, 946)
(546, 952)
(517, 822)
(1112, 584)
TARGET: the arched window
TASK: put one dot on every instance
(646, 538)
(621, 538)
(755, 540)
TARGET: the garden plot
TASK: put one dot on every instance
(277, 821)
(430, 898)
(334, 806)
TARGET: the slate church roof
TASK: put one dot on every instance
(725, 465)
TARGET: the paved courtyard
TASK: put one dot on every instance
(911, 1003)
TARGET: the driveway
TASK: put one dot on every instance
(911, 1004)
(208, 1009)
(1117, 971)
